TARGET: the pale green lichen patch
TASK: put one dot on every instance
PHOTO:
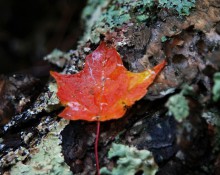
(46, 157)
(120, 12)
(91, 8)
(163, 39)
(13, 157)
(212, 117)
(130, 161)
(178, 106)
(58, 57)
(216, 87)
(141, 18)
(181, 6)
(100, 19)
(52, 100)
(91, 14)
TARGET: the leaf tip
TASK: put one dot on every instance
(54, 74)
(160, 66)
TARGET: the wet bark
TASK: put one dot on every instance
(191, 46)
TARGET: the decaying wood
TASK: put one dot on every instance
(191, 47)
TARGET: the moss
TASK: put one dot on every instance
(46, 157)
(216, 87)
(130, 161)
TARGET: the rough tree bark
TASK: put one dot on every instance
(178, 120)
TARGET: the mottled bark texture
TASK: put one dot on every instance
(144, 32)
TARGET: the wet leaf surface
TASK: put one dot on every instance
(104, 88)
(190, 147)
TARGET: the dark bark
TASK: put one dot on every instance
(191, 45)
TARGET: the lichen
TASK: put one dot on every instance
(163, 39)
(13, 157)
(91, 15)
(178, 106)
(121, 12)
(58, 57)
(130, 161)
(141, 18)
(216, 87)
(100, 19)
(181, 6)
(52, 100)
(46, 157)
(212, 117)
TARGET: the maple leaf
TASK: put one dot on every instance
(104, 88)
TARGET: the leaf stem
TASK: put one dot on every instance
(96, 147)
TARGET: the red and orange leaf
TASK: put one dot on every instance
(104, 88)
